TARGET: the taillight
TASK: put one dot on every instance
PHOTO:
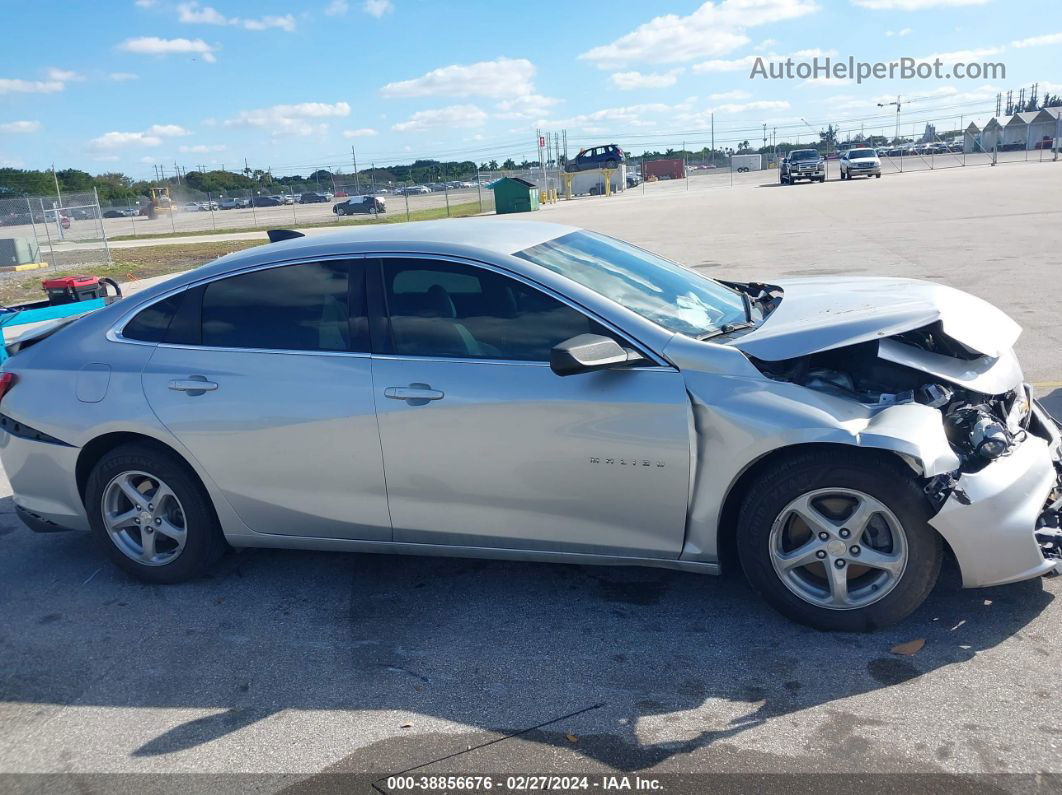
(7, 380)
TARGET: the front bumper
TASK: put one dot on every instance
(864, 172)
(990, 518)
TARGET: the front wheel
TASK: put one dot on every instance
(152, 516)
(839, 541)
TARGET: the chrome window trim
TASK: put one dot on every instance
(114, 333)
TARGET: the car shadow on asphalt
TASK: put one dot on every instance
(656, 663)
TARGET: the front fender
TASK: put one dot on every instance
(739, 420)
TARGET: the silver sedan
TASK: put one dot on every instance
(505, 389)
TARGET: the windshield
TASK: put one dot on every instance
(804, 154)
(670, 295)
(862, 153)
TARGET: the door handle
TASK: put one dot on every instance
(414, 394)
(196, 385)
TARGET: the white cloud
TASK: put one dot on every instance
(120, 140)
(528, 106)
(11, 162)
(145, 3)
(337, 8)
(106, 158)
(150, 137)
(914, 5)
(63, 75)
(201, 149)
(361, 132)
(16, 86)
(285, 23)
(498, 78)
(760, 104)
(167, 130)
(377, 8)
(121, 77)
(712, 29)
(901, 32)
(153, 45)
(766, 44)
(1038, 41)
(20, 126)
(746, 62)
(963, 56)
(451, 116)
(627, 81)
(300, 119)
(600, 121)
(742, 64)
(192, 13)
(737, 94)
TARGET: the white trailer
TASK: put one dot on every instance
(746, 162)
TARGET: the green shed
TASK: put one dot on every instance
(514, 195)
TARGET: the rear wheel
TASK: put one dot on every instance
(839, 541)
(153, 518)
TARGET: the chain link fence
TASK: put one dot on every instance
(61, 232)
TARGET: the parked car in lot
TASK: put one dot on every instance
(860, 163)
(802, 164)
(608, 156)
(538, 392)
(360, 204)
(266, 201)
(312, 197)
(415, 190)
(125, 212)
(194, 207)
(234, 203)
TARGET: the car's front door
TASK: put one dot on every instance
(265, 377)
(485, 446)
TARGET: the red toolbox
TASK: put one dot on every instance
(71, 289)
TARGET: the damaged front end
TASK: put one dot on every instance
(999, 507)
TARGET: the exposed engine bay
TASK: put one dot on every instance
(982, 424)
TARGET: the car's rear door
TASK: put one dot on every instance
(484, 446)
(266, 379)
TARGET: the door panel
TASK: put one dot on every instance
(290, 438)
(512, 455)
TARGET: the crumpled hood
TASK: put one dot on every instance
(820, 313)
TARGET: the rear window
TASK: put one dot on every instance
(151, 324)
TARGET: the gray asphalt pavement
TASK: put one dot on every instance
(305, 666)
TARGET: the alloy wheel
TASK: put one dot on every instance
(838, 548)
(144, 518)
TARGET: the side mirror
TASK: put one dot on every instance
(587, 352)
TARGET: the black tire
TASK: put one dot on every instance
(877, 176)
(205, 543)
(886, 480)
(844, 176)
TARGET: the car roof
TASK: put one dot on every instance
(459, 236)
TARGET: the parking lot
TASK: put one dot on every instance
(303, 665)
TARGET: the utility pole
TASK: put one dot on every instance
(357, 183)
(765, 135)
(712, 116)
(898, 104)
(58, 195)
(177, 169)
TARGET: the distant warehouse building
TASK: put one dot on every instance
(971, 138)
(991, 135)
(1016, 131)
(1044, 128)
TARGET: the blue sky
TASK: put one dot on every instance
(124, 84)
